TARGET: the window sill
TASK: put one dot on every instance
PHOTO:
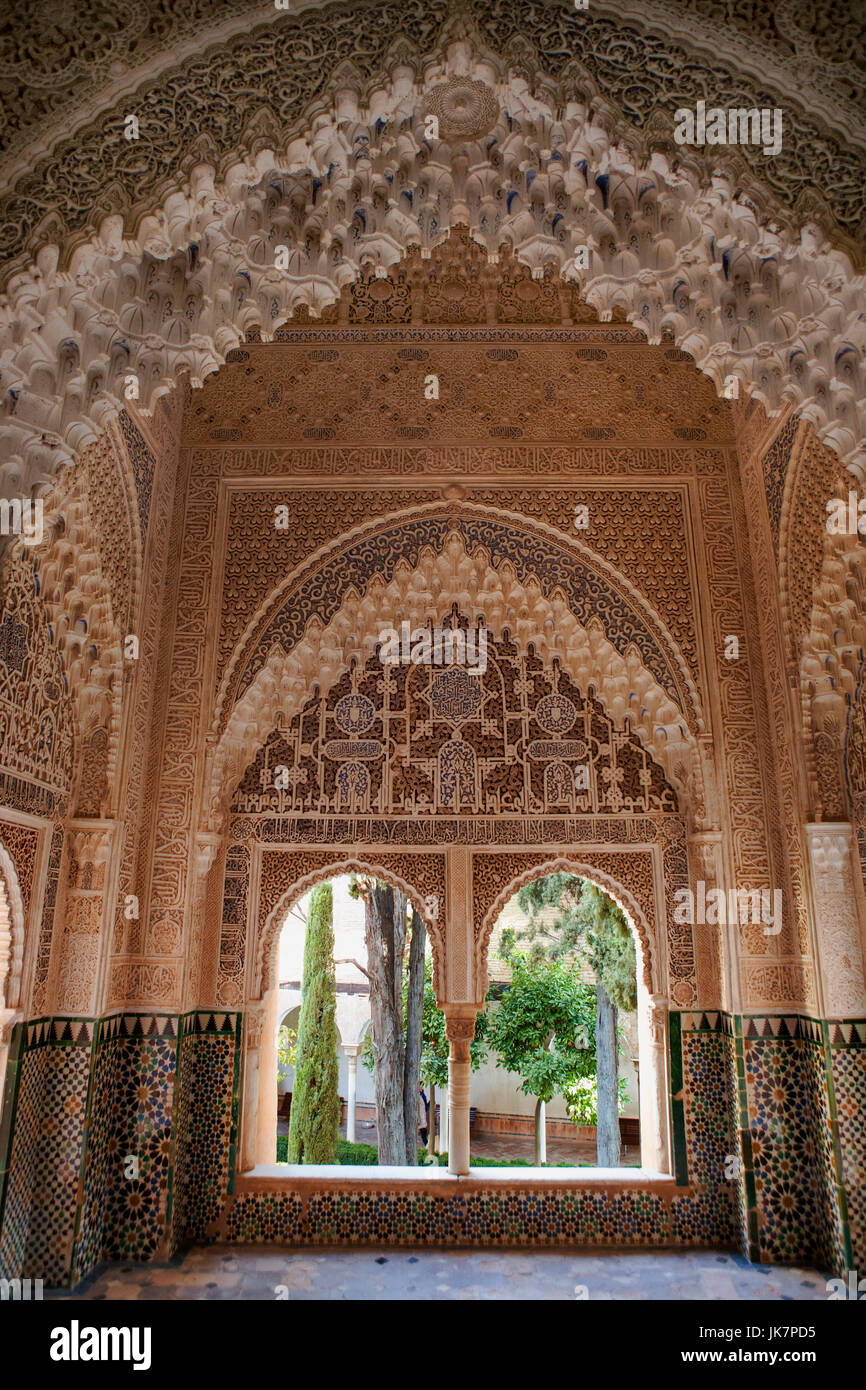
(268, 1175)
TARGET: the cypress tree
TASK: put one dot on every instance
(315, 1118)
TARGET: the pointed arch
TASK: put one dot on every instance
(12, 932)
(269, 933)
(571, 864)
(528, 578)
(176, 285)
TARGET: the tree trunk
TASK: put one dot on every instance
(607, 1071)
(385, 933)
(540, 1133)
(412, 1059)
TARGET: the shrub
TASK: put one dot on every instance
(368, 1156)
(581, 1100)
(356, 1154)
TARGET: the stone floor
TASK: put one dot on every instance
(258, 1272)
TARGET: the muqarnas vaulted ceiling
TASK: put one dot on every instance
(60, 66)
(157, 255)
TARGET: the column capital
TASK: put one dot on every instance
(830, 837)
(657, 1016)
(460, 1022)
(704, 837)
(254, 1019)
(207, 843)
(92, 839)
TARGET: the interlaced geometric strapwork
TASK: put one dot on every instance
(418, 740)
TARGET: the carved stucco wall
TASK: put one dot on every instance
(458, 282)
(662, 529)
(809, 588)
(73, 697)
(643, 499)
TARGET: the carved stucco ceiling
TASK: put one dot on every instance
(203, 70)
(181, 268)
(59, 60)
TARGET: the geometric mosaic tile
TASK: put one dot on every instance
(849, 1084)
(774, 1026)
(77, 1031)
(124, 1207)
(701, 1022)
(790, 1191)
(139, 1026)
(501, 1217)
(166, 1090)
(207, 1122)
(41, 1198)
(709, 1143)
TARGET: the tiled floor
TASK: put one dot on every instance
(253, 1272)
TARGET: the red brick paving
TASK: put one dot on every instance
(505, 1146)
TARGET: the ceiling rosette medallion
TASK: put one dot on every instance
(465, 109)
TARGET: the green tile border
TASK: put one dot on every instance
(75, 1275)
(838, 1165)
(236, 1104)
(744, 1135)
(677, 1100)
(10, 1107)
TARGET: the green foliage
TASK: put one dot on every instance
(287, 1049)
(587, 922)
(315, 1117)
(581, 1100)
(367, 1156)
(434, 1041)
(544, 1027)
(344, 1152)
(363, 1155)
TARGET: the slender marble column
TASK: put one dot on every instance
(655, 1151)
(444, 1107)
(834, 861)
(351, 1050)
(460, 1028)
(266, 1146)
(253, 1021)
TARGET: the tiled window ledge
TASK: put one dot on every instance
(270, 1175)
